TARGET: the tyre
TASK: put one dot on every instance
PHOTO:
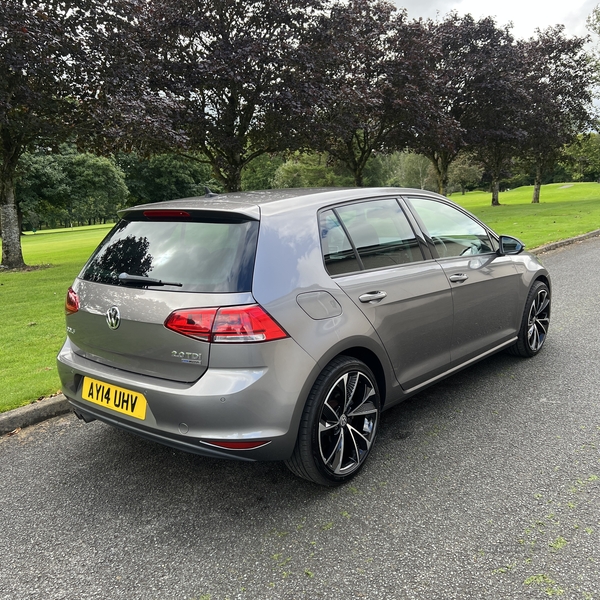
(338, 425)
(535, 322)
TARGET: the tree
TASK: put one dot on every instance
(38, 51)
(581, 159)
(408, 169)
(558, 74)
(494, 118)
(234, 73)
(464, 173)
(371, 65)
(97, 187)
(69, 187)
(164, 177)
(54, 80)
(450, 50)
(259, 174)
(473, 91)
(310, 169)
(41, 186)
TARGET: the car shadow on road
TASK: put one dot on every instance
(122, 466)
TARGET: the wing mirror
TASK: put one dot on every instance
(510, 245)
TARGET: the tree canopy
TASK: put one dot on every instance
(373, 78)
(69, 188)
(224, 83)
(235, 73)
(557, 75)
(58, 61)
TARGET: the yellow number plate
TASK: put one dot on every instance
(113, 397)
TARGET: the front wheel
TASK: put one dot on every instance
(339, 423)
(535, 322)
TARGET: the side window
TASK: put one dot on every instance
(381, 233)
(337, 250)
(452, 232)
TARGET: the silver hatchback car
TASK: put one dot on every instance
(277, 325)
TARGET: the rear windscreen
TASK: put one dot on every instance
(197, 256)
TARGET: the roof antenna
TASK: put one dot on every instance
(208, 193)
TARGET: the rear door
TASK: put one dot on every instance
(372, 251)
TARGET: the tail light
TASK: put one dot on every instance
(195, 323)
(71, 302)
(237, 324)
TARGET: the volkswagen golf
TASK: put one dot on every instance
(277, 325)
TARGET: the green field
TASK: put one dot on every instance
(32, 327)
(565, 210)
(32, 302)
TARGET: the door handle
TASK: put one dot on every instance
(372, 296)
(458, 278)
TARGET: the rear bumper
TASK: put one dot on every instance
(229, 404)
(180, 442)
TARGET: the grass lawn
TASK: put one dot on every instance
(32, 321)
(32, 302)
(565, 210)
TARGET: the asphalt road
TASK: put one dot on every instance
(485, 486)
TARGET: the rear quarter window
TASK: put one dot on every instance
(202, 255)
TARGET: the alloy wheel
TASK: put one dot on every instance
(348, 423)
(538, 320)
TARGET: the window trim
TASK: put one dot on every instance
(421, 241)
(494, 238)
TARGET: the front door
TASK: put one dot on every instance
(484, 285)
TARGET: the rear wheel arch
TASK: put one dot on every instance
(358, 351)
(372, 361)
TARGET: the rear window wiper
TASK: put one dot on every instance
(127, 279)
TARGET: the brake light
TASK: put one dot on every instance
(71, 302)
(166, 214)
(236, 324)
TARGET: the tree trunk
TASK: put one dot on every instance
(12, 254)
(495, 192)
(229, 175)
(441, 173)
(358, 178)
(441, 164)
(357, 154)
(234, 179)
(537, 184)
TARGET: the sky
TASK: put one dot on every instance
(526, 15)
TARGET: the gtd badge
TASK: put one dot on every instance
(113, 317)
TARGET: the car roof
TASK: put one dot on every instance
(274, 200)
